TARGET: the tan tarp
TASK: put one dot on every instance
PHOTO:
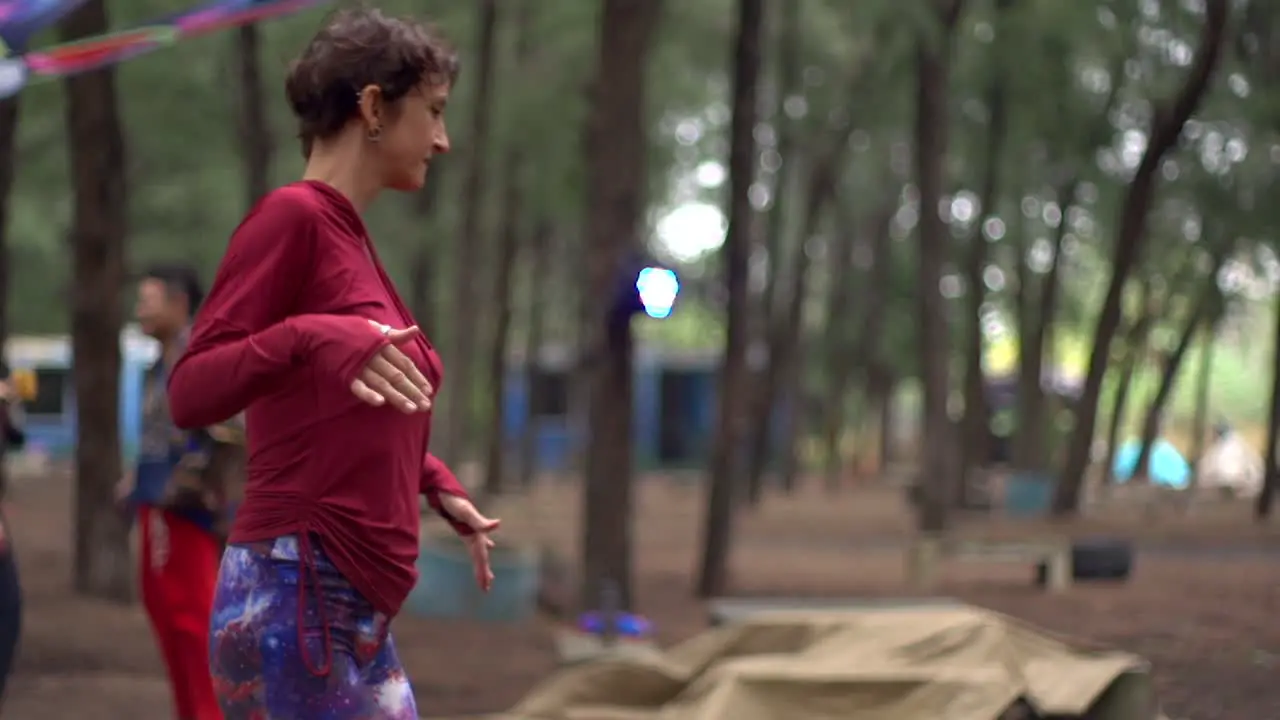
(931, 664)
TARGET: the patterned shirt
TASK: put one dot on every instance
(185, 471)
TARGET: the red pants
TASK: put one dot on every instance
(179, 574)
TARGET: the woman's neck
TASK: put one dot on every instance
(340, 165)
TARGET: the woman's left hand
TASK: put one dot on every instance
(478, 543)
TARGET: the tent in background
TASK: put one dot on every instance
(1231, 464)
(1166, 465)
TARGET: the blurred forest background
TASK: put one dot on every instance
(912, 235)
(871, 205)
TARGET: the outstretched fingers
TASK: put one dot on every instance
(404, 364)
(366, 394)
(388, 380)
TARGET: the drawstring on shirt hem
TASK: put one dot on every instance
(307, 571)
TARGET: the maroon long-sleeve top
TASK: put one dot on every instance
(283, 333)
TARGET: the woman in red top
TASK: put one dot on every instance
(305, 332)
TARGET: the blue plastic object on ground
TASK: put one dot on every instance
(1029, 494)
(625, 624)
(447, 587)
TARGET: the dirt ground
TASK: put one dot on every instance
(1207, 620)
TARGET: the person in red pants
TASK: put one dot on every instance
(182, 496)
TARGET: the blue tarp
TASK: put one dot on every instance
(1167, 466)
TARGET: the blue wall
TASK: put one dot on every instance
(692, 417)
(553, 449)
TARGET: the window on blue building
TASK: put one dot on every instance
(682, 414)
(52, 385)
(549, 393)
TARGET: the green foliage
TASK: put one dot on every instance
(1083, 78)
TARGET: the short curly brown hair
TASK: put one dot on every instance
(360, 47)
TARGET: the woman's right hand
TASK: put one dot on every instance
(391, 377)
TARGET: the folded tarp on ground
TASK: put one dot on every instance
(960, 663)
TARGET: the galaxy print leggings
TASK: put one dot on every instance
(261, 669)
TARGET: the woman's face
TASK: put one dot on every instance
(413, 135)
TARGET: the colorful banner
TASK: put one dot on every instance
(21, 19)
(225, 14)
(72, 58)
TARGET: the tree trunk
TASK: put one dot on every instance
(793, 410)
(256, 146)
(425, 260)
(780, 383)
(1134, 354)
(8, 137)
(833, 425)
(496, 388)
(1271, 478)
(879, 382)
(977, 413)
(761, 445)
(1030, 451)
(1119, 403)
(508, 248)
(838, 360)
(1166, 127)
(1035, 331)
(731, 427)
(98, 231)
(1169, 373)
(931, 121)
(456, 442)
(1200, 423)
(845, 352)
(790, 82)
(616, 151)
(539, 283)
(885, 389)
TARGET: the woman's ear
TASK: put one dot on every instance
(371, 107)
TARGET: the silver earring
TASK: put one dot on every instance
(374, 134)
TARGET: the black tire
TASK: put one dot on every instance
(1106, 559)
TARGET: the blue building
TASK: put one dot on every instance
(51, 416)
(675, 407)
